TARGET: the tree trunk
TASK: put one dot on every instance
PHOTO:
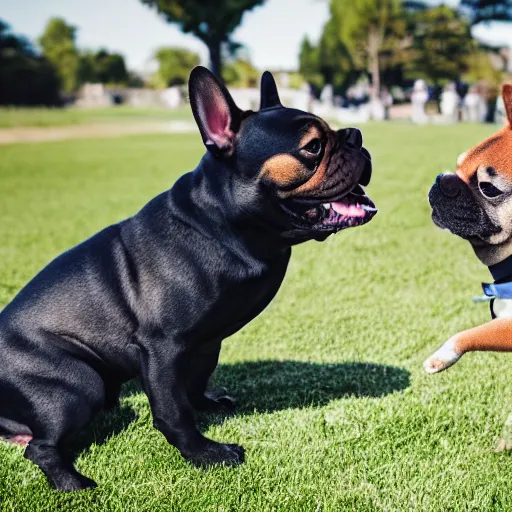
(215, 58)
(373, 60)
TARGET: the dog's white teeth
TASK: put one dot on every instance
(327, 206)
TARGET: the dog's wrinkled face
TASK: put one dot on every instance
(475, 202)
(314, 174)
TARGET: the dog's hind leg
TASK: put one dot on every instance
(46, 450)
(53, 406)
(495, 335)
(66, 407)
(60, 472)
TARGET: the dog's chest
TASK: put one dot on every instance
(246, 301)
(228, 302)
(501, 308)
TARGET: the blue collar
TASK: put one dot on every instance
(502, 271)
(498, 291)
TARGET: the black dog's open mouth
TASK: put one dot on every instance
(354, 209)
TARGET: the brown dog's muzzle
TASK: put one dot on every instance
(455, 207)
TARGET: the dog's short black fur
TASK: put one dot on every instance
(155, 295)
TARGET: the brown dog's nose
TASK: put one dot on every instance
(449, 184)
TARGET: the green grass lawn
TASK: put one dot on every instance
(18, 117)
(335, 410)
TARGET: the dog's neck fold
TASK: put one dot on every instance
(492, 255)
(239, 216)
(503, 270)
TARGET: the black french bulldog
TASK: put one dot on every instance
(154, 295)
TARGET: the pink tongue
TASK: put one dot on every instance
(349, 210)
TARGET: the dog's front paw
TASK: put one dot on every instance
(211, 453)
(217, 400)
(443, 358)
(69, 482)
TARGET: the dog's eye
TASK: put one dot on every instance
(489, 190)
(313, 147)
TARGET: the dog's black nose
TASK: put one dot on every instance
(353, 137)
(449, 184)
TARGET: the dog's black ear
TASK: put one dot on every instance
(506, 93)
(269, 95)
(215, 112)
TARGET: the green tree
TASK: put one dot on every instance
(240, 73)
(87, 67)
(102, 67)
(174, 66)
(309, 65)
(441, 46)
(328, 63)
(111, 67)
(366, 28)
(26, 78)
(211, 21)
(354, 41)
(58, 44)
(480, 69)
(338, 65)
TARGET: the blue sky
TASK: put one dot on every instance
(272, 32)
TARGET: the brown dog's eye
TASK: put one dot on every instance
(313, 147)
(489, 190)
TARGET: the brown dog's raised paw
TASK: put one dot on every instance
(435, 365)
(442, 359)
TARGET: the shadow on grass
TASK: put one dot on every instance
(266, 386)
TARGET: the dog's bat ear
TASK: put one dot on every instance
(269, 95)
(506, 93)
(215, 112)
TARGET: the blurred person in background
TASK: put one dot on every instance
(387, 101)
(450, 102)
(419, 98)
(474, 108)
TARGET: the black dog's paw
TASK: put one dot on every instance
(217, 400)
(69, 482)
(212, 453)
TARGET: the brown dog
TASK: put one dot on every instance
(476, 204)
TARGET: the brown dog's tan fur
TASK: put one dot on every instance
(494, 152)
(495, 335)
